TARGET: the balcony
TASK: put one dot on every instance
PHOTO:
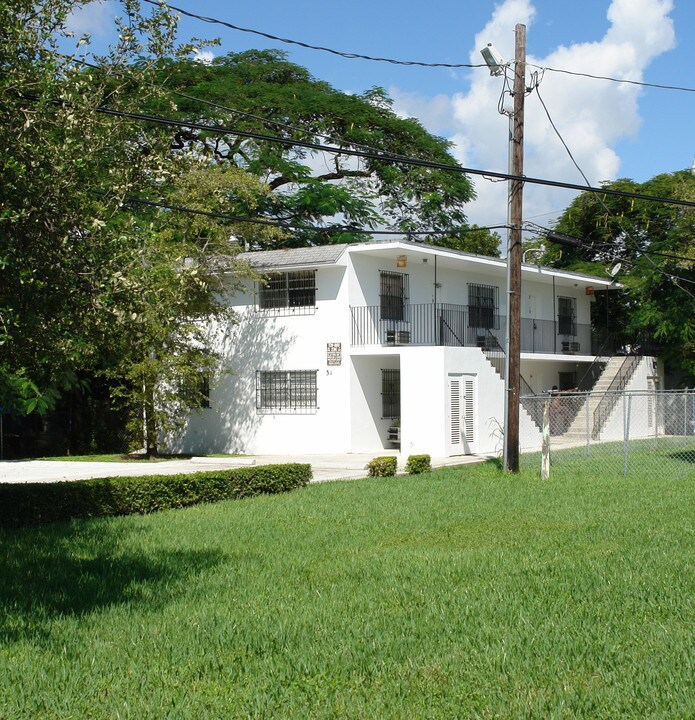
(462, 326)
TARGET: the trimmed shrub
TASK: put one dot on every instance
(418, 464)
(384, 466)
(40, 503)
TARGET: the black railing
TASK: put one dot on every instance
(460, 326)
(610, 398)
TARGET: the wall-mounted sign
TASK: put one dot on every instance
(402, 261)
(589, 290)
(334, 354)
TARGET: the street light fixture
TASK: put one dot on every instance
(493, 60)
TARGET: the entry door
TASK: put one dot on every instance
(461, 435)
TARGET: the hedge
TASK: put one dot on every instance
(383, 466)
(418, 464)
(40, 503)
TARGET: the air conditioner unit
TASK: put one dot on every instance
(570, 347)
(397, 337)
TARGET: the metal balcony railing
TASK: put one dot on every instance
(461, 326)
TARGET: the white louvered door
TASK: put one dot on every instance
(461, 414)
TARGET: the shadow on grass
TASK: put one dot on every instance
(80, 567)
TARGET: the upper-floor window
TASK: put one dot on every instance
(566, 316)
(393, 295)
(288, 292)
(286, 391)
(483, 306)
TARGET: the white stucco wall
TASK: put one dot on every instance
(348, 416)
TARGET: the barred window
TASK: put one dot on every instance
(292, 291)
(391, 394)
(393, 295)
(286, 391)
(196, 393)
(483, 306)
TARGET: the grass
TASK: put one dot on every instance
(116, 457)
(454, 594)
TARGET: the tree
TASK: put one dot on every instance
(653, 242)
(92, 282)
(262, 92)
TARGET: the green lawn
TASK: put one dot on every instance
(456, 594)
(115, 457)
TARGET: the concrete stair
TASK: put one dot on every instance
(576, 432)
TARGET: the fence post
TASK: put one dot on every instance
(627, 406)
(588, 426)
(545, 446)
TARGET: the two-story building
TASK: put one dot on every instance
(359, 348)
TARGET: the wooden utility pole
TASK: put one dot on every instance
(514, 252)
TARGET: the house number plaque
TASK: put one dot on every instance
(333, 354)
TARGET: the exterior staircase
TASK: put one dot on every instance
(602, 399)
(495, 355)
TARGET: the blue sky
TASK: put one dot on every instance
(612, 130)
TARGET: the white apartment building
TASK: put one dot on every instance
(390, 344)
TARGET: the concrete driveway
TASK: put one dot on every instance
(325, 467)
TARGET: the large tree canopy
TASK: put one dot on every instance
(89, 282)
(653, 243)
(262, 92)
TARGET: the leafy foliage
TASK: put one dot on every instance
(417, 464)
(384, 466)
(91, 280)
(266, 94)
(40, 503)
(653, 242)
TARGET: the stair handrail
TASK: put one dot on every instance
(494, 352)
(594, 364)
(610, 397)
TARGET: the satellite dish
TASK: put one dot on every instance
(615, 269)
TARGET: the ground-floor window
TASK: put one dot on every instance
(286, 391)
(391, 394)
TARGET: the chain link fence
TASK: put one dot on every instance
(621, 432)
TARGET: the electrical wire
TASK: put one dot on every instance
(307, 46)
(298, 226)
(671, 276)
(382, 156)
(621, 81)
(358, 56)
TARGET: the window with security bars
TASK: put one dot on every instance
(391, 394)
(196, 393)
(393, 295)
(286, 391)
(292, 292)
(566, 316)
(483, 306)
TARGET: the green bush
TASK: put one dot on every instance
(418, 464)
(39, 503)
(384, 466)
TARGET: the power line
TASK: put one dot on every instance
(621, 81)
(288, 41)
(298, 226)
(671, 276)
(383, 156)
(415, 63)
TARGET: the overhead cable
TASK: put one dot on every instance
(288, 41)
(383, 156)
(359, 56)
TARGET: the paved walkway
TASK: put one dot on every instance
(325, 467)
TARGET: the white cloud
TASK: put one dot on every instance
(204, 56)
(95, 18)
(592, 116)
